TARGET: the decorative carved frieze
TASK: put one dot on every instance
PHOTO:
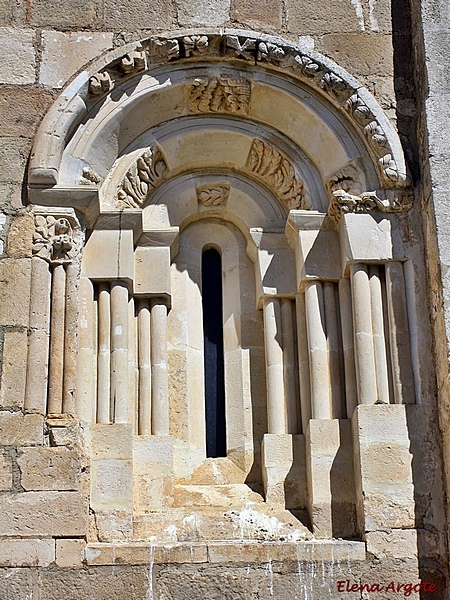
(219, 94)
(53, 239)
(134, 61)
(245, 49)
(347, 179)
(306, 65)
(144, 175)
(270, 52)
(161, 49)
(343, 202)
(276, 170)
(213, 195)
(100, 83)
(89, 176)
(195, 45)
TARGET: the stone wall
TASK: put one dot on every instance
(44, 470)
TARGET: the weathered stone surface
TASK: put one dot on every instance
(17, 50)
(319, 18)
(17, 429)
(27, 553)
(137, 15)
(21, 110)
(200, 12)
(43, 514)
(5, 472)
(20, 236)
(65, 53)
(14, 364)
(49, 469)
(69, 553)
(395, 543)
(256, 13)
(13, 156)
(58, 13)
(14, 293)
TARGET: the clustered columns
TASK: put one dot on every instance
(122, 377)
(354, 361)
(51, 361)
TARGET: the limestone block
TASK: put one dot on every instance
(323, 17)
(131, 15)
(113, 524)
(202, 12)
(60, 14)
(20, 235)
(277, 456)
(21, 110)
(359, 53)
(383, 474)
(14, 368)
(44, 514)
(111, 442)
(69, 553)
(152, 271)
(295, 484)
(111, 483)
(49, 469)
(5, 472)
(15, 291)
(17, 429)
(13, 157)
(397, 543)
(27, 553)
(259, 12)
(331, 487)
(153, 472)
(144, 553)
(109, 255)
(65, 53)
(18, 54)
(275, 269)
(368, 237)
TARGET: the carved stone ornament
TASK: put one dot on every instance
(278, 173)
(245, 49)
(213, 195)
(53, 239)
(100, 83)
(219, 94)
(343, 202)
(144, 175)
(90, 176)
(195, 45)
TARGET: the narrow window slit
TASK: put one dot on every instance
(213, 354)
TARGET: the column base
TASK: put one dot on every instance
(277, 457)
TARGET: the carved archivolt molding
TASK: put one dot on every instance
(54, 238)
(213, 195)
(144, 175)
(278, 173)
(224, 93)
(219, 94)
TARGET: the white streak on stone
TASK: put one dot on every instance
(359, 13)
(372, 18)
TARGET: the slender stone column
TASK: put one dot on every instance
(303, 362)
(345, 301)
(119, 351)
(85, 385)
(160, 384)
(333, 338)
(274, 366)
(290, 387)
(57, 327)
(145, 389)
(362, 322)
(399, 334)
(104, 354)
(70, 338)
(38, 340)
(133, 370)
(318, 351)
(379, 341)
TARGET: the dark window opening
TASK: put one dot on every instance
(213, 354)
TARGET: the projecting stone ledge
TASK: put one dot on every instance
(247, 552)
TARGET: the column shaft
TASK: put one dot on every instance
(145, 389)
(160, 384)
(290, 384)
(318, 351)
(379, 341)
(345, 301)
(274, 366)
(104, 354)
(303, 362)
(119, 351)
(85, 398)
(362, 325)
(333, 338)
(70, 338)
(56, 369)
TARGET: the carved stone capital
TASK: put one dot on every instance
(56, 236)
(381, 201)
(144, 175)
(278, 173)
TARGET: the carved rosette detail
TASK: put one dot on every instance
(276, 170)
(195, 45)
(144, 175)
(53, 239)
(213, 195)
(219, 94)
